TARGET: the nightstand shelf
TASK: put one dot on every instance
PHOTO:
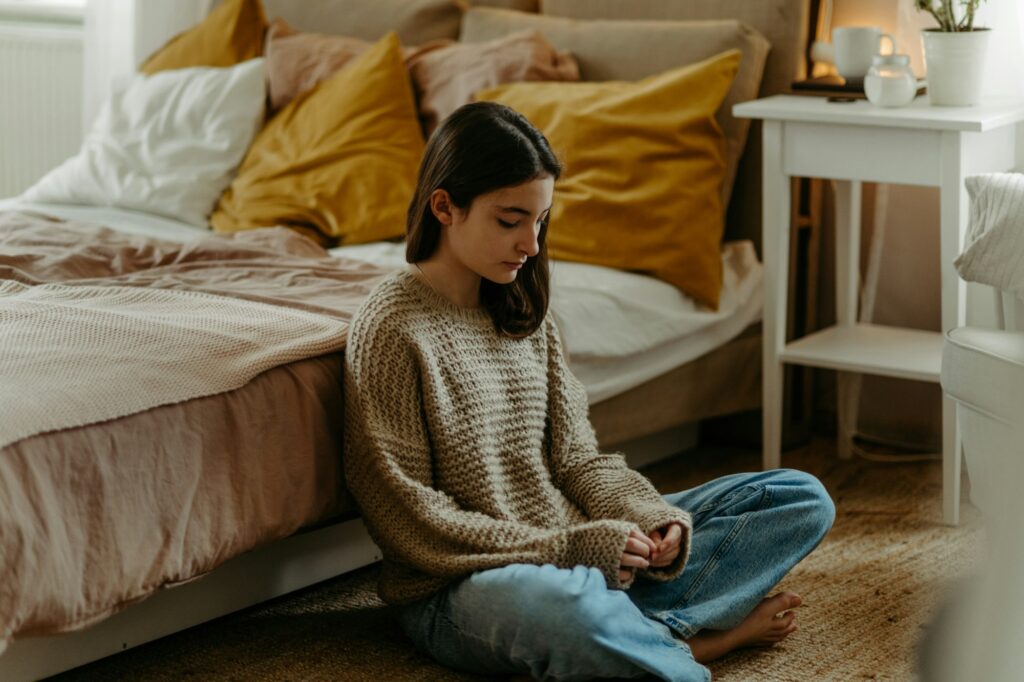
(871, 349)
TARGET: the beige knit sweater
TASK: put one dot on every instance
(466, 450)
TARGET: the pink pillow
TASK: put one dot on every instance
(446, 78)
(445, 74)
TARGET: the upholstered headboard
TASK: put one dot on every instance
(786, 25)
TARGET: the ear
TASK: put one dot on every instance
(442, 207)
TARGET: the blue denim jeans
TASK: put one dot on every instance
(749, 530)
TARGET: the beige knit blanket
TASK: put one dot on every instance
(72, 355)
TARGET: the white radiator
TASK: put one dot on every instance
(40, 100)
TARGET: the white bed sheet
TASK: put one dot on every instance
(620, 328)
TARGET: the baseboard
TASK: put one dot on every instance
(264, 573)
(659, 446)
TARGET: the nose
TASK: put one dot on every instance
(529, 244)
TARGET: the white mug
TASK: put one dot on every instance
(854, 48)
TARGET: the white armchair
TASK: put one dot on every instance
(978, 632)
(983, 369)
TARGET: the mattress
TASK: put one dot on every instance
(621, 329)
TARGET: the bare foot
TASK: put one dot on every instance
(760, 628)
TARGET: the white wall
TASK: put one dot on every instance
(40, 78)
(121, 34)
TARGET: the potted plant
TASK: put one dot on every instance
(954, 52)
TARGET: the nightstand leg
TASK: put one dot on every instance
(775, 255)
(953, 227)
(848, 213)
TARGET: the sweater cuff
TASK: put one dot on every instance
(651, 516)
(675, 569)
(599, 544)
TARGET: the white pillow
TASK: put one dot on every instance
(168, 143)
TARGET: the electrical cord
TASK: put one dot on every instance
(897, 457)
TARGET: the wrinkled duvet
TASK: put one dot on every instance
(99, 512)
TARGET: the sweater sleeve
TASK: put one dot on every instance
(601, 484)
(389, 471)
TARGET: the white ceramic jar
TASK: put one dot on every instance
(890, 82)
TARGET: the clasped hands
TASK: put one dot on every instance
(659, 549)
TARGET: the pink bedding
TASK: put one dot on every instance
(93, 518)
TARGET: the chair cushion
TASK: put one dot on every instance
(984, 368)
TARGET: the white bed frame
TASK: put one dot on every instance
(300, 560)
(247, 579)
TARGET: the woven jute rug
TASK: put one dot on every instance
(870, 590)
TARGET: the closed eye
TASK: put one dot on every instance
(505, 224)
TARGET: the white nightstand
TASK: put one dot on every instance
(852, 143)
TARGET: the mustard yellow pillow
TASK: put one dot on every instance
(339, 163)
(231, 34)
(644, 165)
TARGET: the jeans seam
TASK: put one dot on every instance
(724, 546)
(486, 644)
(726, 500)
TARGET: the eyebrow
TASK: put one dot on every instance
(516, 209)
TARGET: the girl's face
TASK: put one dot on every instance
(499, 230)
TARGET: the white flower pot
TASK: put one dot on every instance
(956, 65)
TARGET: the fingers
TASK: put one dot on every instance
(637, 535)
(671, 538)
(665, 558)
(634, 561)
(634, 546)
(625, 575)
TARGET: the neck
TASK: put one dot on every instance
(454, 281)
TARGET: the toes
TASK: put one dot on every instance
(784, 622)
(784, 601)
(792, 599)
(780, 635)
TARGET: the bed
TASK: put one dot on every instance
(652, 361)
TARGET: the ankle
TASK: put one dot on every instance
(708, 645)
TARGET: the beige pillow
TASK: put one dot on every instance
(445, 74)
(784, 23)
(415, 21)
(631, 50)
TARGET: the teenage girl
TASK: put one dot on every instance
(512, 545)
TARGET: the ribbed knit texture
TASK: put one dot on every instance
(994, 247)
(72, 355)
(466, 450)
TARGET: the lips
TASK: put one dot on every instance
(514, 265)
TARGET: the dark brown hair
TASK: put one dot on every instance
(483, 147)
